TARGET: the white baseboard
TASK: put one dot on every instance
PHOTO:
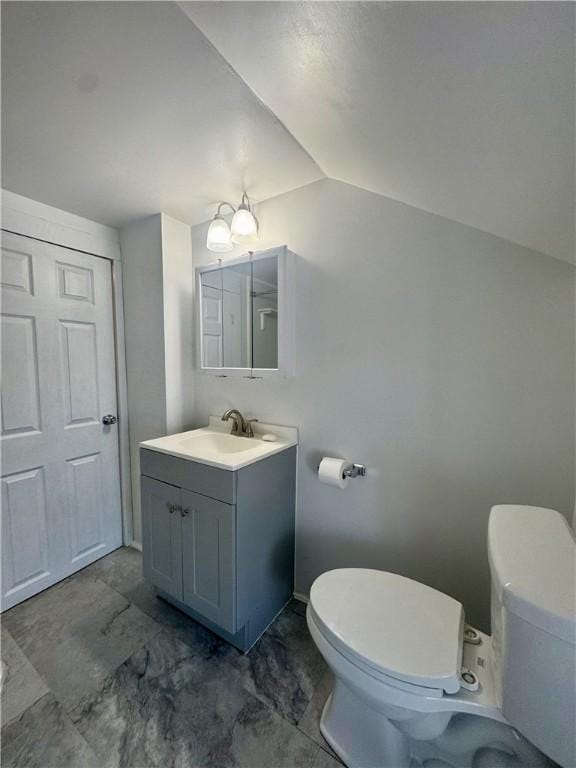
(301, 597)
(136, 545)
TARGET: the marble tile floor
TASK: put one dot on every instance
(97, 672)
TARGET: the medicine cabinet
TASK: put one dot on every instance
(245, 316)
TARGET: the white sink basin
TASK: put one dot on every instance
(216, 448)
(216, 443)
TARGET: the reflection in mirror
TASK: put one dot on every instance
(265, 313)
(239, 315)
(236, 326)
(212, 349)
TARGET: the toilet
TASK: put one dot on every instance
(415, 685)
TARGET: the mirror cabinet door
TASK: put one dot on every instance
(265, 313)
(239, 315)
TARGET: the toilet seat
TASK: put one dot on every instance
(393, 627)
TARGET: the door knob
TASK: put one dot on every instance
(185, 511)
(109, 419)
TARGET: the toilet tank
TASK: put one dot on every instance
(532, 557)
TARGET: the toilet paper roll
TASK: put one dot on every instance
(331, 471)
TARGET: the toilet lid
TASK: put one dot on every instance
(395, 625)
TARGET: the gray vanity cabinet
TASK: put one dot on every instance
(226, 559)
(162, 535)
(177, 521)
(208, 572)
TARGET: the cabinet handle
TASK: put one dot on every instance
(184, 511)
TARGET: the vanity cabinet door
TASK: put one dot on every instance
(208, 558)
(162, 535)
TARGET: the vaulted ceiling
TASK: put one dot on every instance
(117, 110)
(466, 109)
(463, 109)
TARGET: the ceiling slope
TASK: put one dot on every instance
(118, 110)
(462, 109)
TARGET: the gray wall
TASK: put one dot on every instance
(141, 244)
(158, 278)
(440, 356)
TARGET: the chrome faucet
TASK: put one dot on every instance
(242, 427)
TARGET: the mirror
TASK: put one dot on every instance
(265, 313)
(226, 331)
(239, 308)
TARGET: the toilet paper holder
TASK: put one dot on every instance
(356, 470)
(351, 470)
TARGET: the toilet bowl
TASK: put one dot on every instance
(415, 685)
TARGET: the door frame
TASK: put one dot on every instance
(29, 218)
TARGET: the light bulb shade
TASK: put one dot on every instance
(244, 226)
(218, 238)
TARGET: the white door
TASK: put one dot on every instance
(212, 348)
(60, 468)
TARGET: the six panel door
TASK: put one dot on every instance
(162, 535)
(60, 484)
(208, 567)
(212, 337)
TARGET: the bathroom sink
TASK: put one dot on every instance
(215, 446)
(218, 443)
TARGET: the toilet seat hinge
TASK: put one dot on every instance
(471, 635)
(468, 680)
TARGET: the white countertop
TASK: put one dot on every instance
(216, 447)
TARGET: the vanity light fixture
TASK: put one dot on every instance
(221, 238)
(244, 226)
